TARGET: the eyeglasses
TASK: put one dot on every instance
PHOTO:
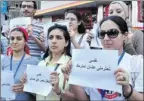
(111, 33)
(70, 19)
(18, 38)
(28, 6)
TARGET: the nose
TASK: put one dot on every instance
(53, 40)
(106, 37)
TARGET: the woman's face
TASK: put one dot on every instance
(73, 21)
(115, 43)
(17, 41)
(57, 41)
(116, 10)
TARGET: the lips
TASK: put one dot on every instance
(53, 47)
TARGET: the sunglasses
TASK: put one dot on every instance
(111, 33)
(18, 38)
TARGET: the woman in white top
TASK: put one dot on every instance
(77, 29)
(113, 32)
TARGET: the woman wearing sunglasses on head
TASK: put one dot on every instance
(18, 60)
(113, 32)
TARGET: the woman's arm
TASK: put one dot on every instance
(79, 93)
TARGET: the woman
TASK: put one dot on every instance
(56, 57)
(113, 32)
(18, 61)
(76, 29)
(134, 45)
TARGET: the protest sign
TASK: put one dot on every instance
(95, 69)
(7, 81)
(38, 80)
(20, 22)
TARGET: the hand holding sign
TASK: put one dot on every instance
(18, 88)
(54, 80)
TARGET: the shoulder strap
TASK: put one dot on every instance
(80, 40)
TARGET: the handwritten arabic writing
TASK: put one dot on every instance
(96, 67)
(95, 60)
(38, 78)
(5, 84)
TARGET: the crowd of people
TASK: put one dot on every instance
(114, 32)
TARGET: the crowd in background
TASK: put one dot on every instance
(21, 46)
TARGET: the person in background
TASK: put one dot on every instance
(134, 44)
(36, 36)
(76, 29)
(4, 42)
(17, 62)
(113, 31)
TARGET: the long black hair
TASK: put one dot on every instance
(66, 36)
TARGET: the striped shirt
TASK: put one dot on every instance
(34, 48)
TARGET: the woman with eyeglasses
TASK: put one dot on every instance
(129, 74)
(76, 29)
(18, 60)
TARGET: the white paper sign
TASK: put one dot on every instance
(95, 69)
(20, 22)
(38, 80)
(7, 81)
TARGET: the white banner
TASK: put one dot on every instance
(95, 69)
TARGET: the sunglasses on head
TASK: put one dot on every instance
(111, 33)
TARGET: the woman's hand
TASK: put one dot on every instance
(23, 78)
(67, 68)
(122, 78)
(18, 88)
(90, 36)
(54, 80)
(72, 33)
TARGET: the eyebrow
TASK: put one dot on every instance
(16, 36)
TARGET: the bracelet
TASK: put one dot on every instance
(59, 93)
(127, 97)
